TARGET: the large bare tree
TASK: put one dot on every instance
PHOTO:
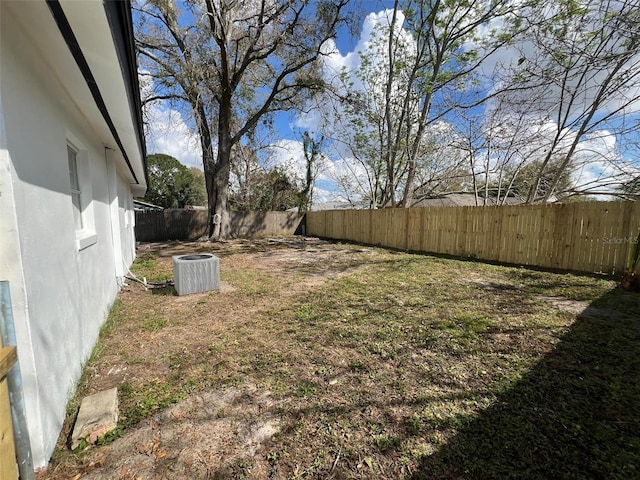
(233, 63)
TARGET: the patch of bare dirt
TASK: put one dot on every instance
(214, 434)
(575, 307)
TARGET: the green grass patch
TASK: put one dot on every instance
(154, 324)
(249, 283)
(456, 350)
(147, 266)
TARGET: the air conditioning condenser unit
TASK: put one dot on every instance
(195, 273)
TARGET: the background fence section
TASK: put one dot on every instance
(178, 224)
(596, 237)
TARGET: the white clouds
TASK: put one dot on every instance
(600, 167)
(168, 133)
(287, 155)
(591, 61)
(335, 62)
(165, 129)
(341, 70)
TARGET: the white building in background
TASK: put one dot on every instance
(71, 160)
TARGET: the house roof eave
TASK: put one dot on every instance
(99, 36)
(121, 20)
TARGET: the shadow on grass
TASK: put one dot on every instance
(576, 414)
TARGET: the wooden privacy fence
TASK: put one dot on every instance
(595, 237)
(179, 224)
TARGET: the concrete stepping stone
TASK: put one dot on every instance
(98, 415)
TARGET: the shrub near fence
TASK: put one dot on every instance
(594, 237)
(179, 224)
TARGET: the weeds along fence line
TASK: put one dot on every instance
(181, 224)
(594, 237)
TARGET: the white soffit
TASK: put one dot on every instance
(90, 25)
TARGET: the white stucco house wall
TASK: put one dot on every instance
(71, 160)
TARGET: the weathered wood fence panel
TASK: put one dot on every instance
(178, 224)
(260, 224)
(595, 237)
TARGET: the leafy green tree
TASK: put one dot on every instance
(271, 190)
(171, 184)
(199, 186)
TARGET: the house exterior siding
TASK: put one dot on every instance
(62, 283)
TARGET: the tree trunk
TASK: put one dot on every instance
(219, 194)
(218, 203)
(208, 158)
(218, 198)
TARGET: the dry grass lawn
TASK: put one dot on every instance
(325, 360)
